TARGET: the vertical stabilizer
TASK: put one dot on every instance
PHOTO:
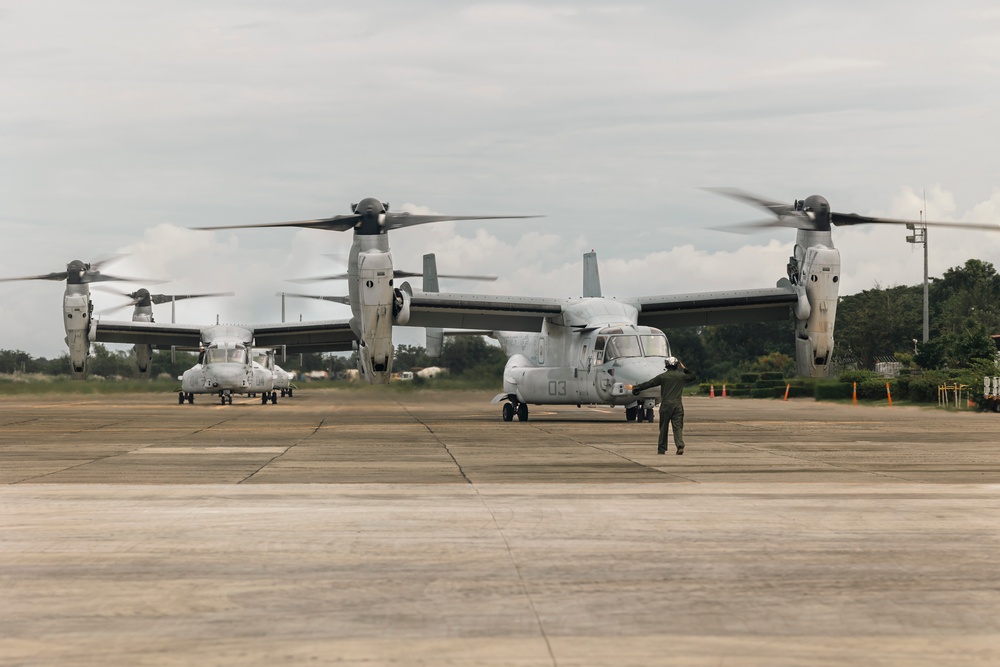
(591, 278)
(434, 335)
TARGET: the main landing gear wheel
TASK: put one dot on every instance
(630, 414)
(649, 415)
(180, 398)
(522, 412)
(263, 398)
(508, 412)
(274, 398)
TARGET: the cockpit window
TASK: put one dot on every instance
(655, 345)
(623, 346)
(216, 355)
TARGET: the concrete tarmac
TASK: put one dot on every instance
(378, 527)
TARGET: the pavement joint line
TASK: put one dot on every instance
(439, 440)
(286, 450)
(622, 456)
(83, 463)
(503, 538)
(825, 463)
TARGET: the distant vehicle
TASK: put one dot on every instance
(406, 376)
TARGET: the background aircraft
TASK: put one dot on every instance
(376, 304)
(77, 306)
(814, 269)
(143, 302)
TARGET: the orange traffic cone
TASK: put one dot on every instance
(854, 395)
(787, 387)
(723, 390)
(888, 393)
(711, 391)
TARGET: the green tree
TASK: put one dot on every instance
(408, 357)
(472, 355)
(878, 322)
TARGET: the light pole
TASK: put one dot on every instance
(920, 236)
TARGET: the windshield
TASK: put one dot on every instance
(655, 345)
(216, 356)
(623, 346)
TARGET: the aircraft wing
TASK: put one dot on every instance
(298, 337)
(727, 307)
(160, 336)
(479, 311)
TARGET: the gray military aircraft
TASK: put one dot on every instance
(814, 268)
(587, 350)
(430, 284)
(143, 303)
(375, 302)
(77, 306)
(227, 365)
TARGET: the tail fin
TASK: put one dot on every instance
(591, 277)
(434, 335)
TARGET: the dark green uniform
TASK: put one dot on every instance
(671, 382)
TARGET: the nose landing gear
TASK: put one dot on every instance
(515, 407)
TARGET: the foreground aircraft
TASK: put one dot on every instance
(376, 304)
(227, 365)
(588, 349)
(814, 268)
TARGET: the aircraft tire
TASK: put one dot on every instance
(180, 398)
(191, 398)
(263, 399)
(649, 415)
(508, 412)
(522, 412)
(630, 414)
(274, 398)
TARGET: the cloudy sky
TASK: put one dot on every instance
(124, 123)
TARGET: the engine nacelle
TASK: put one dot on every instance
(76, 320)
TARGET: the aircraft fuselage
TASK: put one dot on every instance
(587, 355)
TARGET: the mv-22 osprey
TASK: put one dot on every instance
(814, 268)
(78, 309)
(587, 350)
(376, 303)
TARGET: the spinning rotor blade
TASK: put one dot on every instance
(80, 273)
(785, 215)
(855, 219)
(396, 274)
(813, 213)
(396, 220)
(456, 276)
(167, 298)
(142, 297)
(61, 275)
(336, 299)
(338, 223)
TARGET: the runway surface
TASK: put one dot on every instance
(382, 527)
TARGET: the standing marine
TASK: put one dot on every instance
(671, 383)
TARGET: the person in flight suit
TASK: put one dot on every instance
(671, 382)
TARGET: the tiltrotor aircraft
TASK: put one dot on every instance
(587, 350)
(814, 269)
(430, 284)
(376, 303)
(143, 302)
(77, 306)
(227, 365)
